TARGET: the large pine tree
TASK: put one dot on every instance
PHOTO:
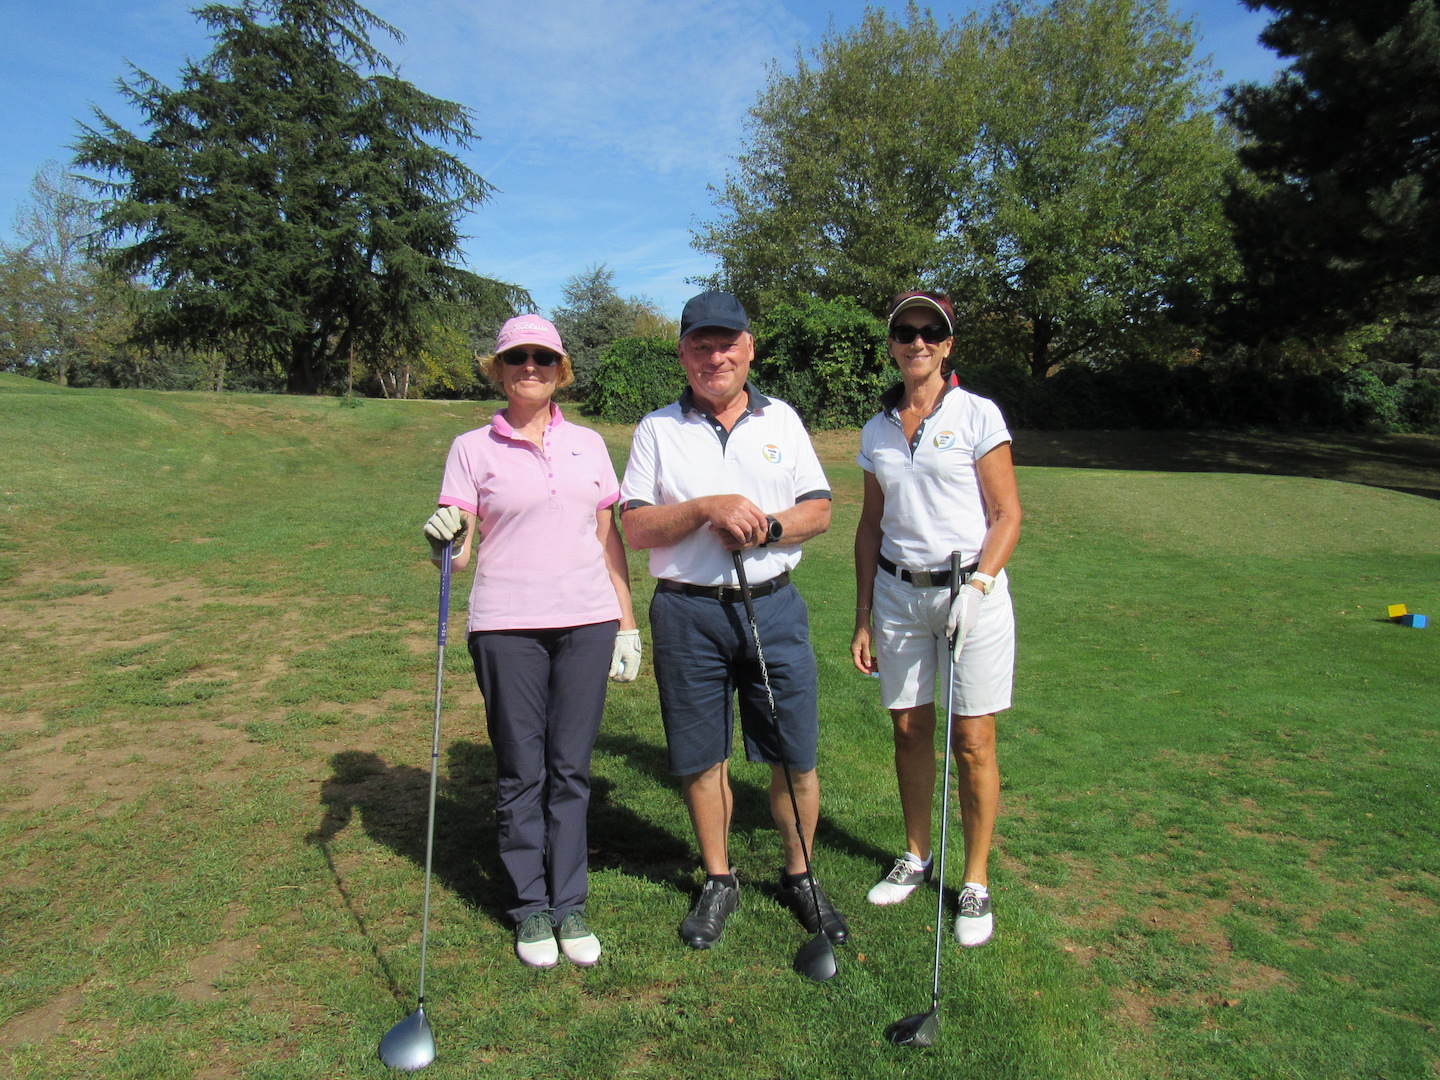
(1342, 223)
(288, 202)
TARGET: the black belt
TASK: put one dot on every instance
(726, 594)
(927, 578)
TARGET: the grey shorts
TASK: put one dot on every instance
(704, 654)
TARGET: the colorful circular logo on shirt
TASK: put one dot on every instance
(944, 440)
(772, 453)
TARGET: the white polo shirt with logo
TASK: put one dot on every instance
(932, 492)
(681, 453)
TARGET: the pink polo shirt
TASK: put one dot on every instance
(538, 563)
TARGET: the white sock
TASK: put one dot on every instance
(924, 863)
(980, 889)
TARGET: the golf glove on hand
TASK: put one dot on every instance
(964, 614)
(625, 660)
(446, 526)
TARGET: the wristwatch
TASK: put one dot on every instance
(983, 582)
(774, 531)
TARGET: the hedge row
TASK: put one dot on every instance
(829, 361)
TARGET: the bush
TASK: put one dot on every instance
(1370, 405)
(634, 376)
(826, 358)
(1420, 409)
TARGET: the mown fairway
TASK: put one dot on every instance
(1217, 856)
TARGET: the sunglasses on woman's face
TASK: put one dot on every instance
(931, 335)
(542, 357)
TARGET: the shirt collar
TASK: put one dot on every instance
(890, 399)
(501, 423)
(754, 400)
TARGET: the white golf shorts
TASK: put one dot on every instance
(911, 647)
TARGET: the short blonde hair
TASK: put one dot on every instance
(491, 366)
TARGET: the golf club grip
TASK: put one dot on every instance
(444, 592)
(956, 562)
(743, 582)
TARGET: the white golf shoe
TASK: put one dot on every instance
(577, 941)
(535, 941)
(900, 882)
(975, 923)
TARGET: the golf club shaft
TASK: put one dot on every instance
(945, 788)
(435, 756)
(779, 738)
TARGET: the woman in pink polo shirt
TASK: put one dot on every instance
(531, 496)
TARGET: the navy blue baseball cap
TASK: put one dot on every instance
(719, 309)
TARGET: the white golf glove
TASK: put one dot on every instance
(445, 526)
(625, 660)
(964, 614)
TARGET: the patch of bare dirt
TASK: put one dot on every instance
(42, 1022)
(75, 768)
(1197, 923)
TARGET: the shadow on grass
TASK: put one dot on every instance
(750, 814)
(391, 804)
(1405, 463)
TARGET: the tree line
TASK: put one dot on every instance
(1068, 171)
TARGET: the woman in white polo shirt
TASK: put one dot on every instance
(532, 496)
(938, 478)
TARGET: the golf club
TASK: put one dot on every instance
(816, 958)
(923, 1029)
(410, 1044)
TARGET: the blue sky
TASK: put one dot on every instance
(603, 122)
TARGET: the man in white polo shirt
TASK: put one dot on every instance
(727, 469)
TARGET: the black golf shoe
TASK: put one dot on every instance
(798, 899)
(706, 921)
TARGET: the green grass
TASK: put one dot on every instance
(1217, 853)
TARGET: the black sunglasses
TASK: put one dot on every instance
(543, 357)
(931, 335)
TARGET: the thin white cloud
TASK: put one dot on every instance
(656, 85)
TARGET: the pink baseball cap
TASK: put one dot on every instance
(529, 330)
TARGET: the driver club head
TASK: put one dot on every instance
(920, 1029)
(816, 959)
(410, 1044)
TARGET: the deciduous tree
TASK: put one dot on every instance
(1056, 168)
(855, 166)
(60, 311)
(594, 315)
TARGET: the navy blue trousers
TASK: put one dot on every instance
(544, 696)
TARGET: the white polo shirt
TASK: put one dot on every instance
(932, 492)
(681, 452)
